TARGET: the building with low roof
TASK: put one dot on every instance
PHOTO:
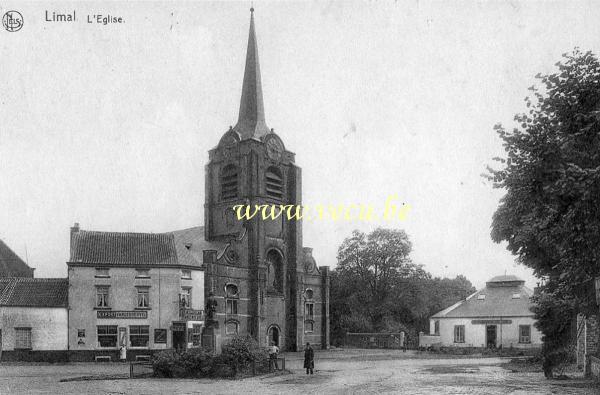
(11, 265)
(33, 319)
(497, 315)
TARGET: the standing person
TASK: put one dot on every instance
(273, 352)
(309, 359)
(123, 353)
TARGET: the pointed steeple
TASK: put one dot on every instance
(251, 121)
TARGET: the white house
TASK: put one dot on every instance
(497, 315)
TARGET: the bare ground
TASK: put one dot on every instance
(337, 372)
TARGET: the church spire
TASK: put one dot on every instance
(251, 121)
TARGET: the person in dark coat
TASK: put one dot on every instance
(309, 359)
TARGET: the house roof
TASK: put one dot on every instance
(34, 292)
(117, 248)
(497, 301)
(179, 248)
(11, 265)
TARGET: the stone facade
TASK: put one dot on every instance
(282, 296)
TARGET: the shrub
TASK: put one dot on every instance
(195, 362)
(240, 352)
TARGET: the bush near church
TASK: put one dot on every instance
(237, 357)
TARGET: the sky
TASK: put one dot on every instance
(110, 125)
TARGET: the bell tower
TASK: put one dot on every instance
(250, 166)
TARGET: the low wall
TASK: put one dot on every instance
(429, 340)
(69, 356)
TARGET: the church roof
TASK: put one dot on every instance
(34, 292)
(11, 265)
(511, 299)
(251, 120)
(178, 248)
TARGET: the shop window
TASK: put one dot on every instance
(524, 333)
(459, 333)
(139, 335)
(309, 311)
(102, 297)
(185, 298)
(107, 335)
(196, 334)
(231, 328)
(143, 297)
(23, 338)
(160, 336)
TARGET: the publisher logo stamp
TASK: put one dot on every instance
(12, 21)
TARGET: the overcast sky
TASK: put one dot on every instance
(109, 126)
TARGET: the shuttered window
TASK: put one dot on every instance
(229, 183)
(274, 183)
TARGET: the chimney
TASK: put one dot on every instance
(75, 228)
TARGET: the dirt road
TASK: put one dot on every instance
(337, 372)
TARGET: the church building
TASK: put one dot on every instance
(203, 285)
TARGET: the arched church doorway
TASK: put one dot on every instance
(273, 335)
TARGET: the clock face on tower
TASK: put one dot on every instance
(274, 148)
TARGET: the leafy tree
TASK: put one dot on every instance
(550, 215)
(377, 288)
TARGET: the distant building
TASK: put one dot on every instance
(11, 265)
(498, 315)
(33, 319)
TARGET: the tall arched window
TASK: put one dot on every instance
(274, 271)
(229, 182)
(274, 182)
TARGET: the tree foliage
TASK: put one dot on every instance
(377, 288)
(550, 215)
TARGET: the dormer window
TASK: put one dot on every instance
(274, 183)
(229, 182)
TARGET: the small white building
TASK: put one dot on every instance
(499, 314)
(33, 319)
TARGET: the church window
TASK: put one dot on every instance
(232, 306)
(309, 326)
(274, 183)
(229, 182)
(309, 311)
(274, 271)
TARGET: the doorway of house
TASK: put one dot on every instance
(274, 336)
(490, 336)
(179, 336)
